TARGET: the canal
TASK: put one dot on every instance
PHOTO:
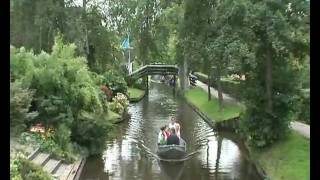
(131, 153)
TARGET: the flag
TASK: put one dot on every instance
(125, 43)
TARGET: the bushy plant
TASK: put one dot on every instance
(119, 103)
(115, 81)
(91, 131)
(23, 169)
(47, 142)
(20, 102)
(64, 88)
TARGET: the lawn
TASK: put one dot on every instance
(286, 159)
(199, 98)
(135, 93)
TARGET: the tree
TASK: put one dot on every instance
(280, 45)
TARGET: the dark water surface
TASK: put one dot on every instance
(131, 154)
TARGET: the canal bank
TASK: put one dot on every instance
(290, 153)
(129, 154)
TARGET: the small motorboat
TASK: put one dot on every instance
(173, 151)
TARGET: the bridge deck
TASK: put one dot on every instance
(153, 70)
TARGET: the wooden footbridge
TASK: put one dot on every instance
(154, 69)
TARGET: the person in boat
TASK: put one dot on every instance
(173, 138)
(162, 136)
(174, 124)
(177, 128)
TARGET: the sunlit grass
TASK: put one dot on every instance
(199, 98)
(135, 93)
(287, 159)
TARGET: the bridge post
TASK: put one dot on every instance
(147, 85)
(174, 84)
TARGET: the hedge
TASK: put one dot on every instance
(229, 86)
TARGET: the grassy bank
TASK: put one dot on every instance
(135, 93)
(199, 98)
(286, 159)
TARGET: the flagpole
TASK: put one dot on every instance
(129, 62)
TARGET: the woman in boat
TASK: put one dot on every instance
(166, 131)
(162, 136)
(173, 138)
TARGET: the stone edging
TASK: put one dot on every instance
(80, 168)
(231, 125)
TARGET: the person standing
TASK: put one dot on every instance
(174, 124)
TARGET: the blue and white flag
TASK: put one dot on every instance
(125, 43)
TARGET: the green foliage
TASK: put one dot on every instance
(115, 82)
(20, 102)
(91, 131)
(49, 143)
(119, 103)
(21, 168)
(302, 107)
(65, 87)
(229, 85)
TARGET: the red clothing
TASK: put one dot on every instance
(167, 133)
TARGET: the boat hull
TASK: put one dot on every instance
(172, 151)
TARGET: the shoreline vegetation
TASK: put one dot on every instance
(289, 158)
(135, 94)
(199, 98)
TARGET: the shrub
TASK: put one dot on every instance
(20, 102)
(119, 103)
(91, 131)
(47, 143)
(21, 168)
(65, 88)
(303, 106)
(115, 82)
(229, 85)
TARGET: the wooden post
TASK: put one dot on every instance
(209, 82)
(147, 85)
(174, 84)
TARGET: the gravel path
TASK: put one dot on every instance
(301, 128)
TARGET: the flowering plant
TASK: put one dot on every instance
(119, 103)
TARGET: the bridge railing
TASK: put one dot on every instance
(153, 70)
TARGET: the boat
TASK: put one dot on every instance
(172, 151)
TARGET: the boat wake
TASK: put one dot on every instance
(153, 155)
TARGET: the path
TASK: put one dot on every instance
(301, 128)
(214, 92)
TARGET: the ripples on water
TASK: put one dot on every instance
(132, 153)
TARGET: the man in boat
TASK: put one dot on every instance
(173, 138)
(174, 124)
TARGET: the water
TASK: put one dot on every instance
(132, 153)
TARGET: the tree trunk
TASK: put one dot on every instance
(269, 80)
(40, 39)
(219, 144)
(183, 73)
(220, 95)
(84, 5)
(209, 82)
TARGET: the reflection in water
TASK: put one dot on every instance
(131, 154)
